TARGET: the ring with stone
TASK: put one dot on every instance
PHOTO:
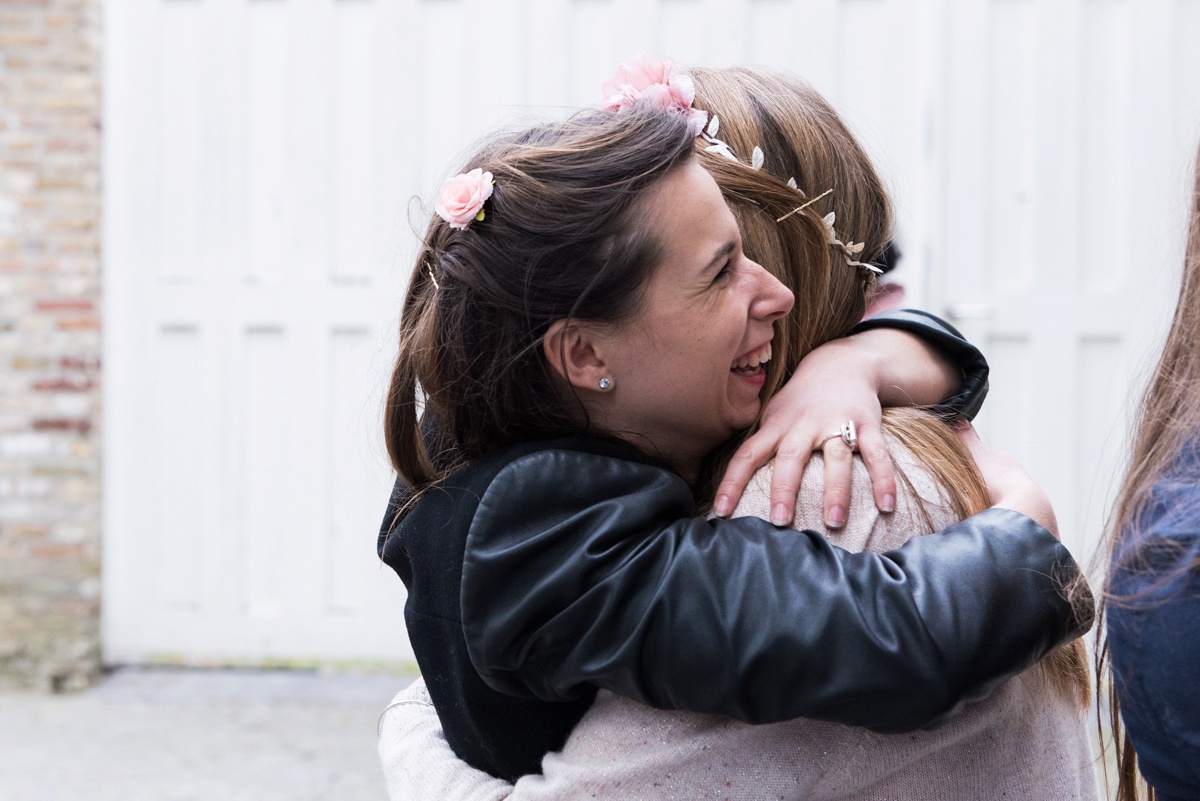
(849, 434)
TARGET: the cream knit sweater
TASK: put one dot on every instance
(1025, 741)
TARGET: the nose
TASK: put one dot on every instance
(772, 299)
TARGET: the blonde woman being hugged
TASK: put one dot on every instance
(776, 150)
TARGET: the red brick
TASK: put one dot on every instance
(80, 363)
(69, 424)
(63, 385)
(65, 304)
(49, 154)
(55, 551)
(62, 144)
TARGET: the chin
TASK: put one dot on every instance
(740, 424)
(747, 415)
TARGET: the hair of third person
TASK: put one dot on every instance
(1168, 419)
(802, 137)
(561, 239)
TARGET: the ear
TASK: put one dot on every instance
(576, 353)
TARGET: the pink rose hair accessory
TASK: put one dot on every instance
(658, 82)
(462, 197)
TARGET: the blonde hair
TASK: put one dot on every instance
(804, 139)
(1168, 418)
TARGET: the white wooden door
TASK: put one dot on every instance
(261, 162)
(253, 245)
(1065, 141)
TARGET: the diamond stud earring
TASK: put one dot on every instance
(605, 383)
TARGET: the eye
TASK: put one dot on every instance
(725, 272)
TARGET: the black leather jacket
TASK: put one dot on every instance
(939, 334)
(543, 572)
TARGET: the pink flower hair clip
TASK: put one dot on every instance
(658, 82)
(663, 83)
(462, 197)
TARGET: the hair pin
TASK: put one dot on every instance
(805, 206)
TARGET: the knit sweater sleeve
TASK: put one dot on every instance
(418, 762)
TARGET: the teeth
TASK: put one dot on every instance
(760, 356)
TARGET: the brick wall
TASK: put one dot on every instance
(49, 342)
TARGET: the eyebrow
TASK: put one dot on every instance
(725, 250)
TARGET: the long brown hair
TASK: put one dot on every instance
(803, 138)
(560, 239)
(1168, 417)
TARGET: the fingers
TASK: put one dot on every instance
(967, 434)
(839, 464)
(791, 454)
(1008, 485)
(879, 465)
(839, 467)
(790, 462)
(753, 454)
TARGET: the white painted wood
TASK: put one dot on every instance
(267, 165)
(1062, 197)
(253, 283)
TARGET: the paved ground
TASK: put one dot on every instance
(197, 735)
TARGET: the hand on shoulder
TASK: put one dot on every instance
(1008, 485)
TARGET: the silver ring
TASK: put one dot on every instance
(849, 434)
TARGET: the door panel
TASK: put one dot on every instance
(268, 164)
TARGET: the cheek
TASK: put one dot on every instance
(691, 374)
(685, 357)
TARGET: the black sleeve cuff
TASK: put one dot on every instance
(946, 339)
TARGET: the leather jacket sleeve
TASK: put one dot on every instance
(940, 335)
(562, 588)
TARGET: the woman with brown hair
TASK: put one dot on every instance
(584, 330)
(1026, 740)
(1152, 597)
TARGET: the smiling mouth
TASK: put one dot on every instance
(752, 363)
